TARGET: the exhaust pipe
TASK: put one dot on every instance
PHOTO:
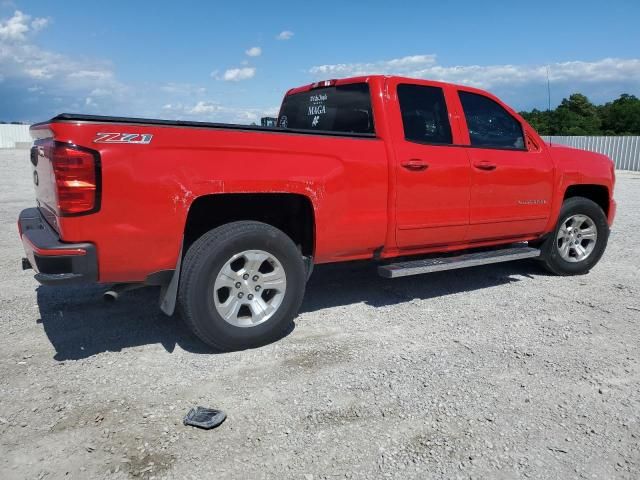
(118, 289)
(110, 296)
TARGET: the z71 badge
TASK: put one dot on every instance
(134, 138)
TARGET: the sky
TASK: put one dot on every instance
(226, 61)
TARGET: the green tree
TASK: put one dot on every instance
(577, 116)
(622, 116)
(541, 120)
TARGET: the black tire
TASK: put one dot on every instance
(205, 259)
(550, 255)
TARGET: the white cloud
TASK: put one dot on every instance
(92, 75)
(76, 81)
(187, 89)
(400, 66)
(202, 108)
(254, 52)
(39, 23)
(38, 73)
(216, 112)
(101, 92)
(489, 76)
(285, 35)
(64, 83)
(238, 74)
(15, 28)
(21, 59)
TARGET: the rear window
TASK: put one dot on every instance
(343, 108)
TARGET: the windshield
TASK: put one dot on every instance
(343, 108)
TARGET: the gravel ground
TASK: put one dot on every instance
(494, 372)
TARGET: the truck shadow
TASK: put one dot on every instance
(357, 282)
(79, 324)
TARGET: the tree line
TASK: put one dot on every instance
(576, 115)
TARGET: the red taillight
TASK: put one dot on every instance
(77, 179)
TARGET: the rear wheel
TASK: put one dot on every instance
(241, 285)
(579, 239)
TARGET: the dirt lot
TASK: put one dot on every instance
(494, 372)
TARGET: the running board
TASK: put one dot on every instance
(429, 265)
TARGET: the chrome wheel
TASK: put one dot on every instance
(576, 238)
(249, 288)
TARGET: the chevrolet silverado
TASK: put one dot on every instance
(229, 220)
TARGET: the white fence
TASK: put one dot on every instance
(13, 136)
(624, 151)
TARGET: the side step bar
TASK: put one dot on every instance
(416, 267)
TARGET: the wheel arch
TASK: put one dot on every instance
(292, 213)
(594, 192)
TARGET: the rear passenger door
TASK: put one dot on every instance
(432, 174)
(511, 178)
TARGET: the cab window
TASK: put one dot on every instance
(489, 124)
(424, 114)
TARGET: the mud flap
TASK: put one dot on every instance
(169, 293)
(308, 266)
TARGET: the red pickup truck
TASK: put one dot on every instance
(229, 220)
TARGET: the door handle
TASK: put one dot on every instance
(415, 165)
(485, 165)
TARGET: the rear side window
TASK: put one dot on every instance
(490, 125)
(343, 108)
(424, 114)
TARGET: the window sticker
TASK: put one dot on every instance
(317, 107)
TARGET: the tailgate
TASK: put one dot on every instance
(44, 183)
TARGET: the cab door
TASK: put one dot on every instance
(432, 173)
(511, 178)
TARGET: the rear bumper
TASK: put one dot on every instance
(55, 262)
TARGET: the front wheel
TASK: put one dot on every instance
(241, 285)
(579, 239)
